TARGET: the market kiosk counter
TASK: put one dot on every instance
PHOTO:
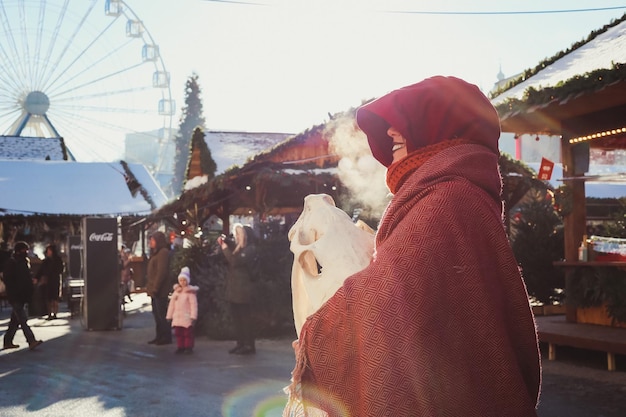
(599, 273)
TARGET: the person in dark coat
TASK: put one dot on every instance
(126, 273)
(50, 275)
(19, 284)
(239, 287)
(158, 287)
(5, 253)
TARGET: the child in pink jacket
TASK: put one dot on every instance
(183, 311)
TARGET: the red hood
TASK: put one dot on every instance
(433, 110)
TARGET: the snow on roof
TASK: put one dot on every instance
(314, 171)
(74, 188)
(31, 148)
(235, 148)
(600, 53)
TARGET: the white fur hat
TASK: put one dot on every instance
(184, 273)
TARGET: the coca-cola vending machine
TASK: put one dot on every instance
(102, 306)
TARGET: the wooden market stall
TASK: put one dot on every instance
(271, 183)
(579, 95)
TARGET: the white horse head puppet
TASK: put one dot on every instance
(328, 247)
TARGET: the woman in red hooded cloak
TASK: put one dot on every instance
(439, 324)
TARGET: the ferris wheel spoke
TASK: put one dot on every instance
(97, 80)
(98, 109)
(7, 103)
(102, 58)
(18, 66)
(124, 92)
(95, 130)
(55, 35)
(70, 40)
(84, 151)
(6, 79)
(4, 57)
(124, 128)
(90, 133)
(9, 112)
(25, 43)
(65, 71)
(9, 116)
(38, 39)
(6, 73)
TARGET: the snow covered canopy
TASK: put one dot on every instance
(75, 188)
(586, 81)
(230, 149)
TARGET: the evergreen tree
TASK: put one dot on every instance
(190, 118)
(537, 243)
(207, 164)
(535, 229)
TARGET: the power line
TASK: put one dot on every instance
(247, 3)
(596, 9)
(460, 13)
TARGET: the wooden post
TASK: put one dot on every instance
(610, 358)
(574, 223)
(551, 351)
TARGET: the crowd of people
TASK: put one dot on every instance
(173, 301)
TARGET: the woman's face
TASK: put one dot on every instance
(398, 149)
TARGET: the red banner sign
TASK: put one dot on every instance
(545, 169)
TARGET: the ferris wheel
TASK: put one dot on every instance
(87, 71)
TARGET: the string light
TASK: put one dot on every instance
(598, 135)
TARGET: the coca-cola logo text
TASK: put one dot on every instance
(101, 237)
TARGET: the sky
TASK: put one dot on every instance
(263, 65)
(284, 65)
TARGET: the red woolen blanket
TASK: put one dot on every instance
(439, 324)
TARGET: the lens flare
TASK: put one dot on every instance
(263, 399)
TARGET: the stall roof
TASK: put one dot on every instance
(230, 149)
(34, 148)
(585, 80)
(602, 52)
(76, 188)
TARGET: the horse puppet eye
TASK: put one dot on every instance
(309, 263)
